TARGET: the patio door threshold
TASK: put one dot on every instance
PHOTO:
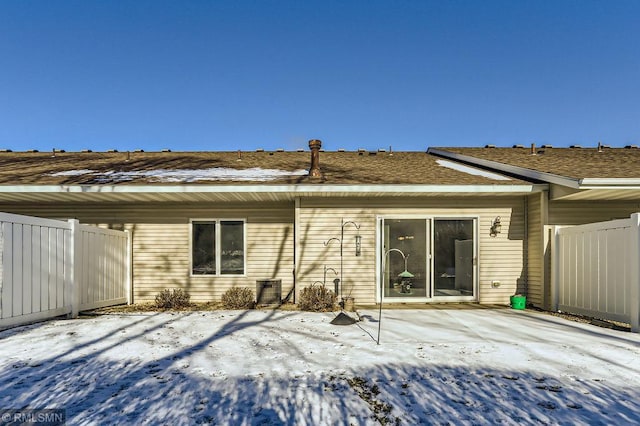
(442, 299)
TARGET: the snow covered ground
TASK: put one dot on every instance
(277, 367)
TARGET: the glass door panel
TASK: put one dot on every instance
(405, 258)
(453, 264)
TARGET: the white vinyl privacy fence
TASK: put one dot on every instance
(595, 270)
(52, 267)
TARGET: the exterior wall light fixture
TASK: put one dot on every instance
(496, 227)
(358, 245)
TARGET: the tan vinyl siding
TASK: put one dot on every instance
(500, 258)
(162, 258)
(581, 212)
(161, 241)
(535, 251)
(318, 225)
(161, 253)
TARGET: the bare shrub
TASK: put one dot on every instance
(317, 299)
(172, 299)
(238, 298)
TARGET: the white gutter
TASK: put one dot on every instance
(294, 189)
(519, 171)
(609, 188)
(615, 182)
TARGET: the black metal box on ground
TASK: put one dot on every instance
(268, 292)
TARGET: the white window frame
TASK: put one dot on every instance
(218, 243)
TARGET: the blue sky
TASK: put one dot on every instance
(228, 75)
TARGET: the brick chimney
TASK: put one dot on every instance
(314, 171)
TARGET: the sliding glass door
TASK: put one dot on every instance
(427, 259)
(453, 265)
(405, 259)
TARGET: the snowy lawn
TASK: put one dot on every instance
(277, 367)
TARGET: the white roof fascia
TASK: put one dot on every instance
(321, 188)
(520, 171)
(614, 183)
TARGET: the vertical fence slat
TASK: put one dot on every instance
(107, 265)
(104, 244)
(100, 259)
(128, 270)
(114, 266)
(36, 295)
(554, 259)
(27, 283)
(17, 268)
(103, 264)
(52, 272)
(44, 268)
(580, 264)
(116, 261)
(612, 273)
(602, 271)
(619, 252)
(93, 267)
(566, 272)
(90, 283)
(60, 253)
(592, 273)
(85, 285)
(74, 268)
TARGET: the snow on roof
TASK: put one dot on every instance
(73, 172)
(187, 175)
(470, 170)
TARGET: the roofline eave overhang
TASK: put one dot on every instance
(597, 189)
(282, 189)
(508, 168)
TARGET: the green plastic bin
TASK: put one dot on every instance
(518, 302)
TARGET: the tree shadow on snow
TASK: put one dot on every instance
(98, 388)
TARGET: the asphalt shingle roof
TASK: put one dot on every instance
(24, 168)
(575, 163)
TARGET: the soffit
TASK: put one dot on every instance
(558, 192)
(246, 193)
